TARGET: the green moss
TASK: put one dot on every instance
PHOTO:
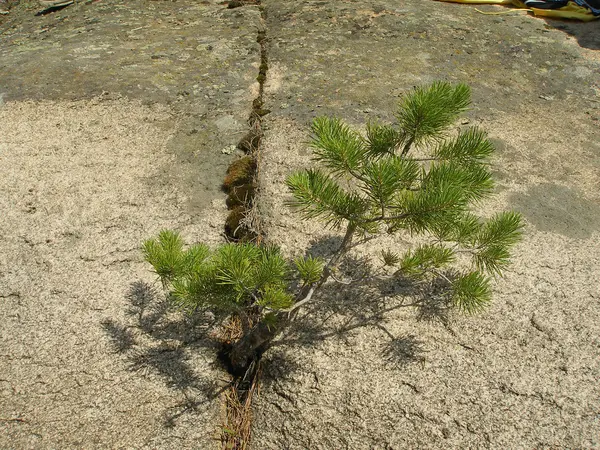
(232, 223)
(233, 227)
(261, 37)
(240, 172)
(257, 103)
(251, 140)
(262, 112)
(241, 195)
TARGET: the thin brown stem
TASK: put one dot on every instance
(426, 159)
(307, 292)
(384, 218)
(407, 146)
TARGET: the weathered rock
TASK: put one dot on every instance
(112, 123)
(520, 375)
(113, 118)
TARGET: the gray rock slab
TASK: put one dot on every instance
(199, 53)
(199, 57)
(522, 374)
(353, 58)
(113, 120)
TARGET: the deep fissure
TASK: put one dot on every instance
(242, 225)
(241, 180)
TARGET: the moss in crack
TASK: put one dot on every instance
(261, 38)
(249, 143)
(239, 184)
(239, 173)
(262, 112)
(257, 103)
(239, 3)
(241, 195)
(264, 67)
(239, 181)
(235, 228)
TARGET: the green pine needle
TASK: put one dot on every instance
(426, 112)
(471, 292)
(275, 297)
(390, 258)
(309, 268)
(165, 254)
(336, 145)
(469, 147)
(424, 258)
(475, 181)
(495, 239)
(381, 139)
(318, 195)
(383, 178)
(504, 228)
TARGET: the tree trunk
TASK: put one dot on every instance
(258, 340)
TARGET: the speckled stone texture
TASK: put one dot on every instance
(524, 374)
(116, 121)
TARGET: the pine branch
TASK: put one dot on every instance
(310, 269)
(504, 228)
(336, 146)
(494, 241)
(317, 195)
(471, 292)
(469, 147)
(381, 139)
(384, 177)
(166, 255)
(425, 258)
(308, 291)
(426, 112)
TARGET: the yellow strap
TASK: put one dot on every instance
(497, 13)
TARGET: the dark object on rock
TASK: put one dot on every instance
(250, 141)
(4, 6)
(53, 5)
(235, 229)
(239, 173)
(240, 195)
(235, 4)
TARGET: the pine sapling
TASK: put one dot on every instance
(408, 178)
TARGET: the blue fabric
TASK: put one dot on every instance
(592, 5)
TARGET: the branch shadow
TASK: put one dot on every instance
(343, 306)
(324, 247)
(404, 350)
(159, 341)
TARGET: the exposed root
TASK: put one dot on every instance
(236, 430)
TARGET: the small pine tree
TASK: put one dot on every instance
(364, 185)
